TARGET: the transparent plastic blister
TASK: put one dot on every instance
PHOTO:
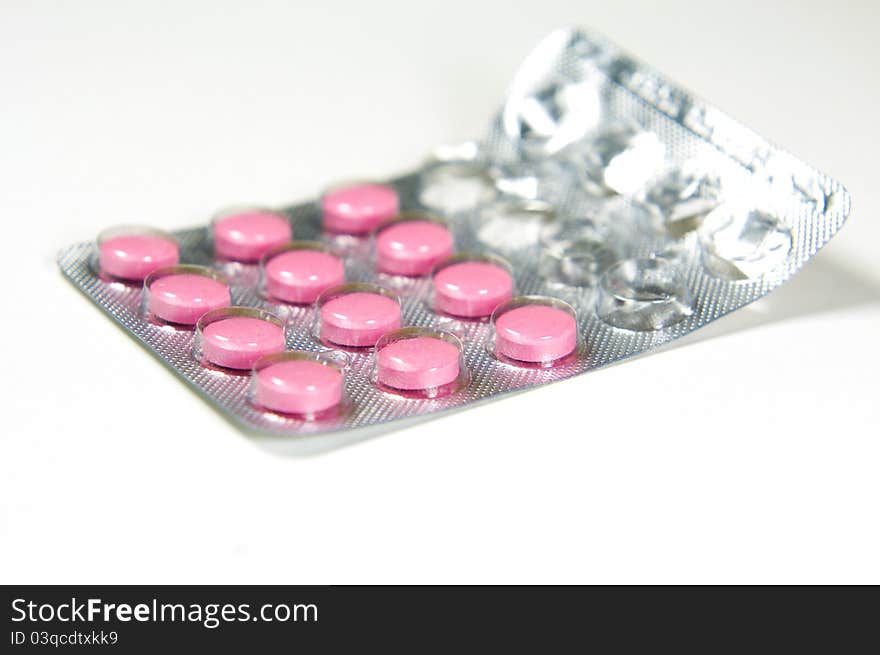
(242, 235)
(300, 385)
(605, 212)
(181, 295)
(298, 272)
(415, 362)
(470, 285)
(355, 315)
(534, 332)
(129, 253)
(232, 339)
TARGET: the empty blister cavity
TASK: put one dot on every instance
(356, 315)
(551, 117)
(419, 362)
(182, 294)
(510, 226)
(307, 385)
(626, 223)
(534, 331)
(619, 159)
(575, 253)
(236, 337)
(643, 294)
(548, 110)
(789, 178)
(358, 208)
(299, 272)
(453, 187)
(741, 243)
(132, 252)
(546, 179)
(412, 245)
(681, 197)
(471, 285)
(245, 234)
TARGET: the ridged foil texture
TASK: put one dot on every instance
(604, 185)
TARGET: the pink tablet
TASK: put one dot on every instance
(184, 297)
(358, 209)
(298, 386)
(135, 256)
(358, 319)
(412, 247)
(299, 276)
(471, 289)
(535, 333)
(239, 341)
(248, 235)
(417, 363)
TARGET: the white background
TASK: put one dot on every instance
(747, 452)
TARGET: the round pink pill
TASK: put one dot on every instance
(239, 341)
(412, 247)
(300, 276)
(135, 256)
(359, 209)
(358, 319)
(298, 387)
(417, 363)
(535, 333)
(471, 289)
(184, 297)
(249, 235)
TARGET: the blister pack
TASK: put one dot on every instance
(605, 212)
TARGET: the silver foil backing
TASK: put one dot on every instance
(605, 185)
